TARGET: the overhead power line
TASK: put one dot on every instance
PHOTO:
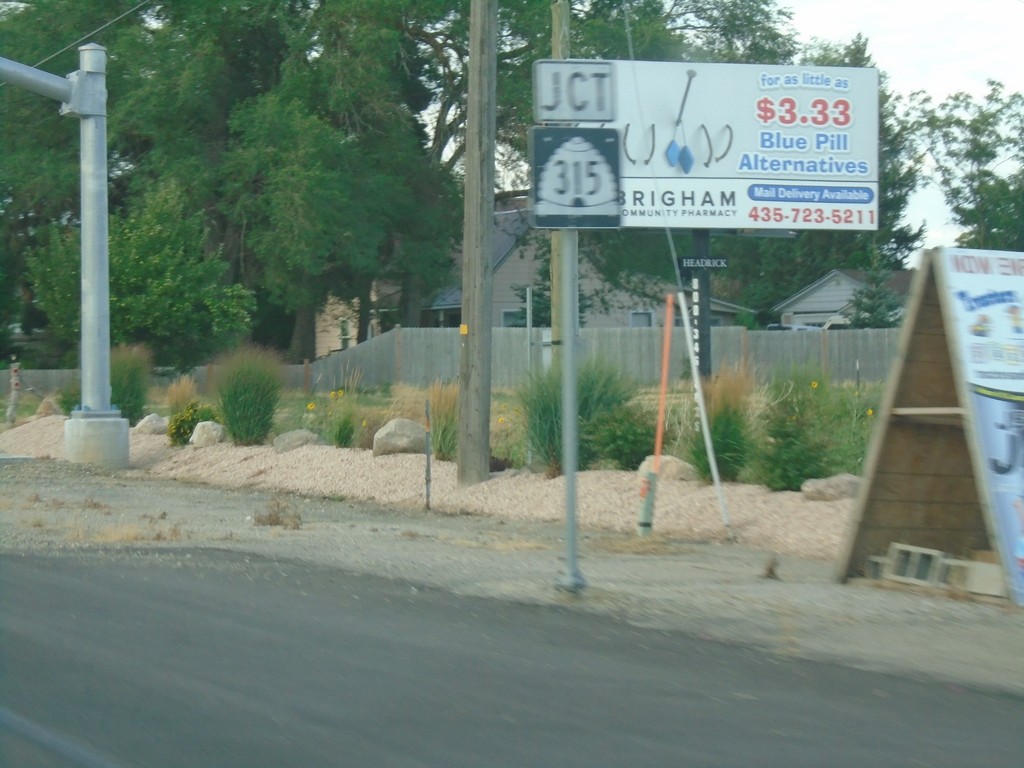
(85, 37)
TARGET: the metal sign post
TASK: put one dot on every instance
(702, 302)
(575, 185)
(12, 400)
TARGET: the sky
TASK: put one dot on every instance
(936, 46)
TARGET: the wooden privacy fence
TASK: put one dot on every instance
(420, 356)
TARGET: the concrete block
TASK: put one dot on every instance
(96, 439)
(913, 565)
(986, 579)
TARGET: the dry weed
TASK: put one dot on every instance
(655, 544)
(180, 393)
(278, 514)
(117, 534)
(729, 389)
(128, 533)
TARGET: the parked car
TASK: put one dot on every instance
(785, 327)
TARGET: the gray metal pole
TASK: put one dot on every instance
(95, 433)
(92, 108)
(529, 330)
(571, 579)
(35, 80)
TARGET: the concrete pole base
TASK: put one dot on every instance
(100, 439)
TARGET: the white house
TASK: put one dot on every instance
(832, 296)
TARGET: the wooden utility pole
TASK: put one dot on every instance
(474, 452)
(560, 237)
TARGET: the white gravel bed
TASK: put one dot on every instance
(784, 522)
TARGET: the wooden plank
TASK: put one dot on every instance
(924, 449)
(937, 515)
(926, 384)
(947, 410)
(905, 487)
(928, 348)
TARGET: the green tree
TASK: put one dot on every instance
(344, 193)
(875, 305)
(319, 143)
(971, 142)
(164, 292)
(39, 164)
(541, 288)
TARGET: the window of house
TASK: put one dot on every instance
(513, 318)
(641, 319)
(345, 334)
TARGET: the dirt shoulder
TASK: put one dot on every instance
(506, 540)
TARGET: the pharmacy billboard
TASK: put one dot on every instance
(746, 146)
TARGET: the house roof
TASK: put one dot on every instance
(509, 228)
(898, 282)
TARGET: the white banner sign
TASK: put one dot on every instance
(745, 146)
(986, 294)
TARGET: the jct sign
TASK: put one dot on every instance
(745, 146)
(573, 91)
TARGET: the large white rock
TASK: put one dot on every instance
(671, 468)
(843, 486)
(400, 436)
(289, 441)
(207, 433)
(153, 424)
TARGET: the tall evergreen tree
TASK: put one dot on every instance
(876, 305)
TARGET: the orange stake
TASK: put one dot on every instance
(666, 349)
(650, 482)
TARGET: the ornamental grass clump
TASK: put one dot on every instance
(793, 449)
(342, 419)
(444, 419)
(540, 400)
(248, 387)
(621, 437)
(600, 389)
(343, 429)
(130, 367)
(726, 398)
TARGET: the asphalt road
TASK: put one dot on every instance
(204, 659)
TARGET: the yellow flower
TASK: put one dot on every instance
(871, 411)
(814, 385)
(501, 419)
(364, 422)
(333, 394)
(310, 406)
(341, 393)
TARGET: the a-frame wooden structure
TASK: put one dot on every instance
(921, 483)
